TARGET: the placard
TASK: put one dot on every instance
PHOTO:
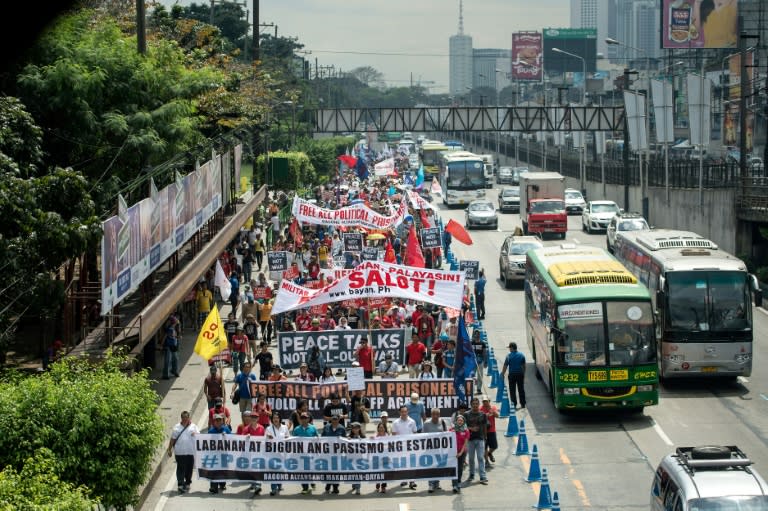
(356, 378)
(430, 237)
(338, 346)
(370, 254)
(353, 241)
(277, 261)
(472, 268)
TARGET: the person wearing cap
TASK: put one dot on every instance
(242, 386)
(239, 348)
(449, 358)
(315, 327)
(265, 318)
(334, 428)
(426, 371)
(305, 429)
(384, 419)
(365, 357)
(405, 425)
(182, 445)
(219, 408)
(388, 368)
(491, 442)
(478, 346)
(277, 374)
(417, 411)
(480, 294)
(515, 362)
(213, 386)
(218, 427)
(304, 374)
(415, 354)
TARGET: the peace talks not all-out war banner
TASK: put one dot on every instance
(338, 346)
(326, 459)
(375, 279)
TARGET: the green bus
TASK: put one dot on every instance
(591, 329)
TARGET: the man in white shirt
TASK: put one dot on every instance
(388, 368)
(404, 425)
(182, 444)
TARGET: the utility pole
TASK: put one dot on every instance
(625, 149)
(256, 46)
(210, 21)
(141, 27)
(744, 88)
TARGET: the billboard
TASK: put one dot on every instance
(731, 120)
(150, 231)
(579, 41)
(526, 56)
(694, 24)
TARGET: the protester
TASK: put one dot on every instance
(388, 368)
(416, 352)
(355, 433)
(334, 428)
(219, 408)
(276, 431)
(477, 422)
(405, 425)
(381, 430)
(265, 359)
(491, 442)
(182, 445)
(303, 430)
(462, 440)
(170, 353)
(218, 428)
(434, 425)
(365, 357)
(242, 386)
(515, 362)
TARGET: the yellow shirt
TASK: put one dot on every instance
(204, 299)
(265, 312)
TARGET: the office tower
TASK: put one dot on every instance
(460, 59)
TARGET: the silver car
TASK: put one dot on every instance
(512, 257)
(509, 199)
(481, 213)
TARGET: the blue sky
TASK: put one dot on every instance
(418, 28)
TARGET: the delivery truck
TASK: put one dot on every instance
(542, 204)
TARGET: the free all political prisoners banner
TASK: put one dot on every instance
(338, 346)
(385, 395)
(356, 215)
(374, 279)
(429, 456)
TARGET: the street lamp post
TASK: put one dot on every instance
(666, 143)
(582, 165)
(643, 182)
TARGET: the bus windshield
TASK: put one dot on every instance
(465, 175)
(619, 335)
(708, 301)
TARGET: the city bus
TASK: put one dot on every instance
(461, 177)
(702, 300)
(590, 329)
(430, 155)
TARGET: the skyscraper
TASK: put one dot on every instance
(592, 14)
(460, 59)
(637, 24)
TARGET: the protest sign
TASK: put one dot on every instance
(430, 238)
(370, 254)
(356, 378)
(338, 346)
(277, 261)
(333, 460)
(356, 215)
(384, 395)
(472, 269)
(374, 279)
(353, 241)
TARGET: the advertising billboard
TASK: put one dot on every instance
(731, 120)
(579, 41)
(695, 24)
(526, 56)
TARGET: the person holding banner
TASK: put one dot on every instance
(182, 444)
(405, 425)
(223, 429)
(305, 429)
(334, 429)
(462, 439)
(381, 430)
(276, 431)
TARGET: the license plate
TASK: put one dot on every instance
(709, 369)
(549, 229)
(461, 201)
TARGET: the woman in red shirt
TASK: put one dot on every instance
(262, 411)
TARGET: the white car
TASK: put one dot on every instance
(623, 222)
(597, 214)
(574, 201)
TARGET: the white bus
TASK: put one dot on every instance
(462, 177)
(702, 299)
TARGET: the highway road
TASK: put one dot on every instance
(599, 461)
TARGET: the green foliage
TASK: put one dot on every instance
(38, 486)
(762, 273)
(300, 171)
(322, 154)
(98, 422)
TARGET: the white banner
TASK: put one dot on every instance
(699, 100)
(662, 110)
(419, 202)
(374, 279)
(356, 215)
(634, 104)
(385, 168)
(333, 460)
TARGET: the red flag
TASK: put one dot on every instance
(295, 231)
(413, 255)
(389, 254)
(424, 221)
(458, 232)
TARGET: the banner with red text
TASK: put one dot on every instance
(373, 279)
(356, 215)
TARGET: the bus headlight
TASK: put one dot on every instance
(572, 391)
(743, 358)
(645, 388)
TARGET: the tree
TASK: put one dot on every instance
(99, 423)
(368, 76)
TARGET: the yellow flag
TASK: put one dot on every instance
(212, 338)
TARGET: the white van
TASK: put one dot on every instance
(488, 166)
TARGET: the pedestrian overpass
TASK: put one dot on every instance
(468, 119)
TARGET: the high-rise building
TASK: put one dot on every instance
(485, 62)
(638, 25)
(592, 14)
(460, 59)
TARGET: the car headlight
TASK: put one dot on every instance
(645, 388)
(572, 391)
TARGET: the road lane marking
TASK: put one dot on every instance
(403, 506)
(580, 491)
(662, 435)
(764, 396)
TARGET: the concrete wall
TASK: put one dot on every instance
(713, 217)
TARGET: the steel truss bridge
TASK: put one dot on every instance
(472, 118)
